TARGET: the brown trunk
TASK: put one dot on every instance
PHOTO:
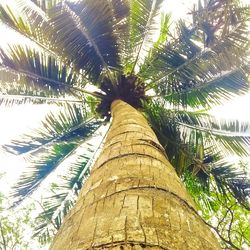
(133, 198)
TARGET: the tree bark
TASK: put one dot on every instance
(133, 198)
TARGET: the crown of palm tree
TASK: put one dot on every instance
(127, 50)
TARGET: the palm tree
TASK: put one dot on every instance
(158, 85)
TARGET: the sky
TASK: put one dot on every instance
(20, 119)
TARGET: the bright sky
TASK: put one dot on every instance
(14, 122)
(17, 120)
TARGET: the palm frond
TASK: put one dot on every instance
(215, 19)
(189, 135)
(67, 122)
(143, 25)
(220, 178)
(180, 153)
(16, 89)
(37, 71)
(213, 92)
(164, 30)
(44, 160)
(220, 141)
(92, 45)
(171, 54)
(29, 22)
(14, 83)
(223, 141)
(66, 189)
(120, 13)
(184, 64)
(147, 67)
(83, 33)
(203, 119)
(228, 178)
(33, 22)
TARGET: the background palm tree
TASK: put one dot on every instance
(127, 50)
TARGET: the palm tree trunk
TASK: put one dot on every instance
(133, 198)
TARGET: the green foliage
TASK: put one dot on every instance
(142, 27)
(197, 144)
(15, 225)
(29, 73)
(222, 212)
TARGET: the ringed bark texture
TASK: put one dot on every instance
(133, 198)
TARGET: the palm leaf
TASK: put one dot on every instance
(120, 13)
(143, 25)
(223, 142)
(170, 54)
(40, 70)
(182, 66)
(164, 30)
(189, 135)
(83, 33)
(29, 22)
(234, 180)
(220, 178)
(213, 92)
(180, 153)
(16, 89)
(66, 189)
(215, 19)
(47, 28)
(49, 157)
(68, 121)
(185, 66)
(14, 83)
